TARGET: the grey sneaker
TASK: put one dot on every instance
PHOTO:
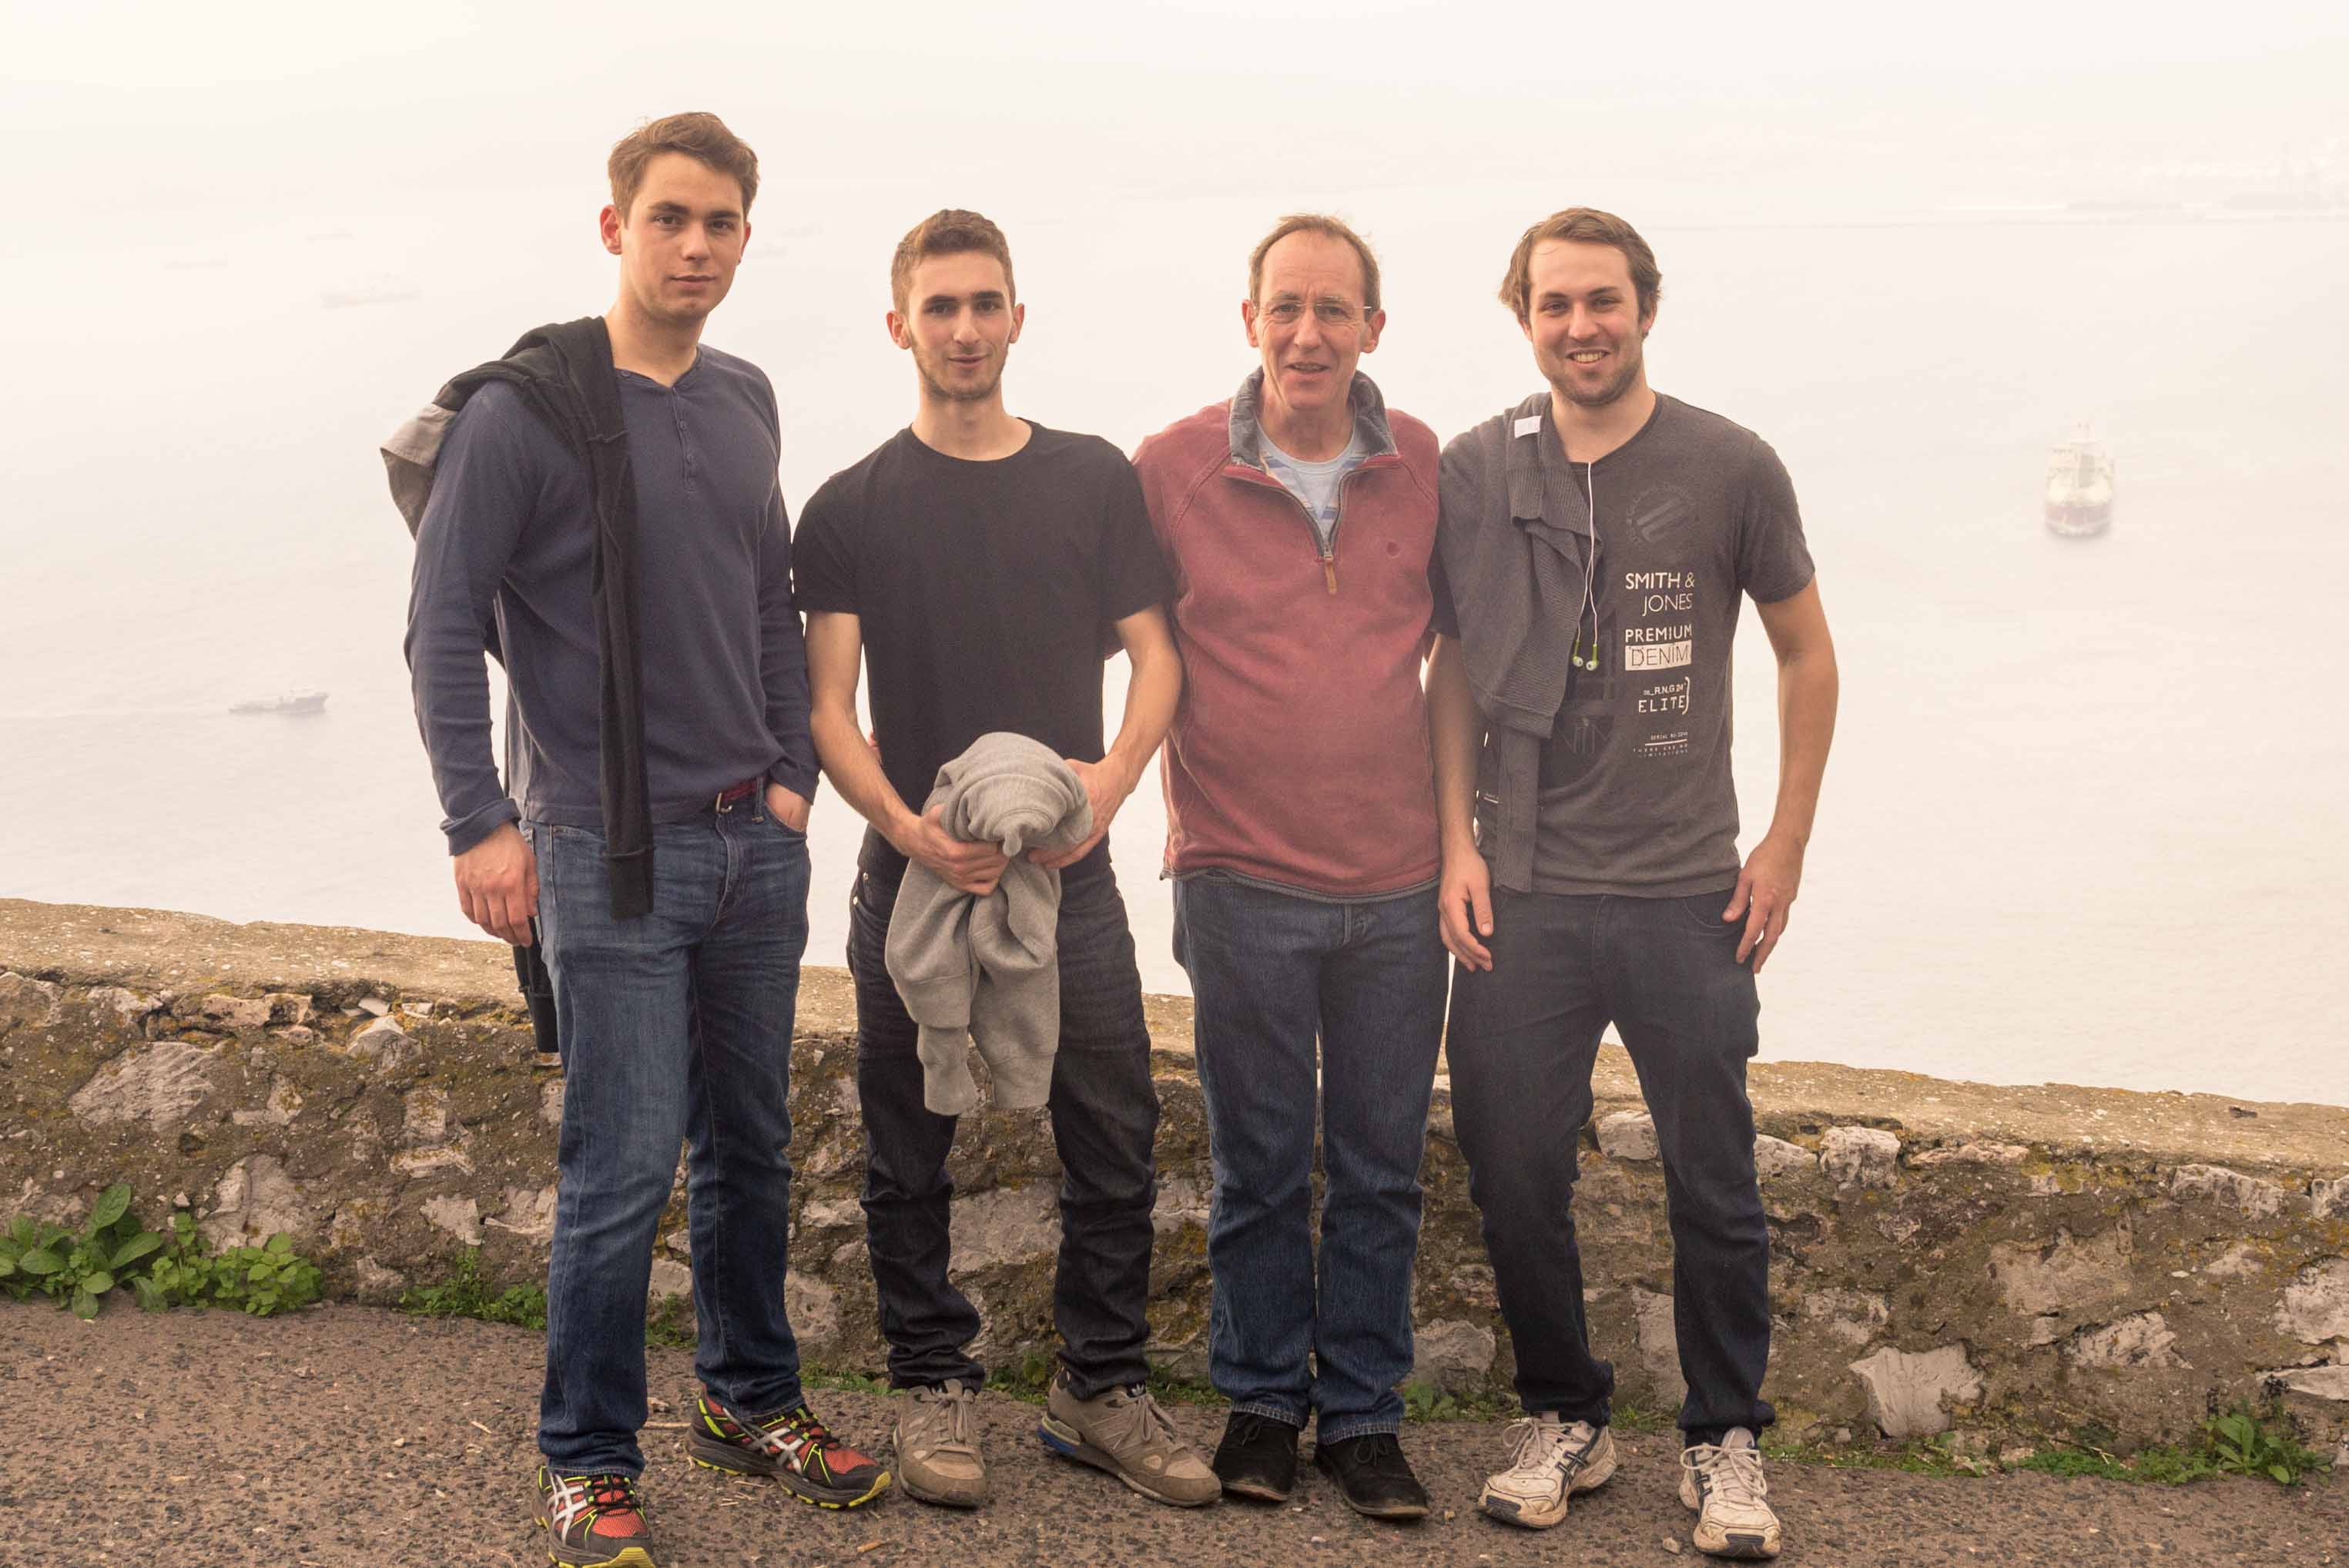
(936, 1439)
(1125, 1433)
(1723, 1483)
(1549, 1462)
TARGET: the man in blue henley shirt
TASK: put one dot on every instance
(676, 1023)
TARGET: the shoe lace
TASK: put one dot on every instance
(799, 1421)
(1536, 1444)
(772, 1435)
(615, 1494)
(1734, 1474)
(1247, 1426)
(946, 1416)
(1136, 1422)
(595, 1497)
(1379, 1452)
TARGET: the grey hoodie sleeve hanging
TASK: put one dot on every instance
(988, 968)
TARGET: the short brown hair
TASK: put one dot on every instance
(701, 137)
(1316, 223)
(1586, 226)
(949, 232)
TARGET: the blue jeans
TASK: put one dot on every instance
(1524, 1035)
(677, 1027)
(1271, 971)
(1104, 1112)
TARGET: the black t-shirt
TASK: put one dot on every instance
(987, 592)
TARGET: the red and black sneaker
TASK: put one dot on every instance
(790, 1446)
(595, 1520)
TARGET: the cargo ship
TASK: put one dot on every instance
(292, 702)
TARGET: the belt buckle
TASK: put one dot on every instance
(721, 805)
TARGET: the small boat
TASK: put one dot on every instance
(2079, 487)
(292, 702)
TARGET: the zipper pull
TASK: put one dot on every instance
(1329, 573)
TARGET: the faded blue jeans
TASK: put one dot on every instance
(1271, 973)
(677, 1028)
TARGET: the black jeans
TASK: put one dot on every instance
(1523, 1038)
(1104, 1112)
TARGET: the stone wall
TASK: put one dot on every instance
(2002, 1260)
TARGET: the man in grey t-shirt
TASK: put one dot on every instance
(1597, 541)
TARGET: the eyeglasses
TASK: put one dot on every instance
(1331, 314)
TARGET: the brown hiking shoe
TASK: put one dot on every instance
(936, 1439)
(1125, 1433)
(594, 1520)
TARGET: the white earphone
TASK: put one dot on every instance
(1589, 578)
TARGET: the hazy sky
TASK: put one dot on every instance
(161, 108)
(824, 50)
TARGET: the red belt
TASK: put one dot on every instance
(734, 795)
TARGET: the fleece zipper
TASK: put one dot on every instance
(1328, 558)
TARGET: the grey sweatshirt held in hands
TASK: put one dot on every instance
(989, 967)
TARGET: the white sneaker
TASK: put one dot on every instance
(1723, 1483)
(1549, 1462)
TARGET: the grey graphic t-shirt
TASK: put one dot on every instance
(1316, 484)
(1691, 513)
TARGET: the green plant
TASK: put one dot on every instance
(850, 1380)
(2248, 1442)
(463, 1294)
(78, 1271)
(263, 1281)
(113, 1251)
(1427, 1402)
(670, 1325)
(2095, 1464)
(2241, 1441)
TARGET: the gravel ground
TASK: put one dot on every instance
(348, 1438)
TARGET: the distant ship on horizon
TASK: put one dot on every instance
(2079, 497)
(292, 702)
(375, 294)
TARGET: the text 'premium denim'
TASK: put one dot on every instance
(1104, 1112)
(677, 1027)
(1524, 1037)
(1270, 973)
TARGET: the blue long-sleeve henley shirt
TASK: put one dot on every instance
(508, 540)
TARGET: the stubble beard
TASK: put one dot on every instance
(1625, 377)
(976, 392)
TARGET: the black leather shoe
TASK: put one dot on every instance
(1257, 1457)
(1372, 1476)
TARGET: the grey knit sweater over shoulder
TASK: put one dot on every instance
(988, 968)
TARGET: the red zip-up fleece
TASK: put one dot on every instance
(1298, 756)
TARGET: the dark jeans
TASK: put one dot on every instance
(1523, 1039)
(1271, 971)
(1104, 1112)
(676, 1026)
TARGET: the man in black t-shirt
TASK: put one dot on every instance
(980, 564)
